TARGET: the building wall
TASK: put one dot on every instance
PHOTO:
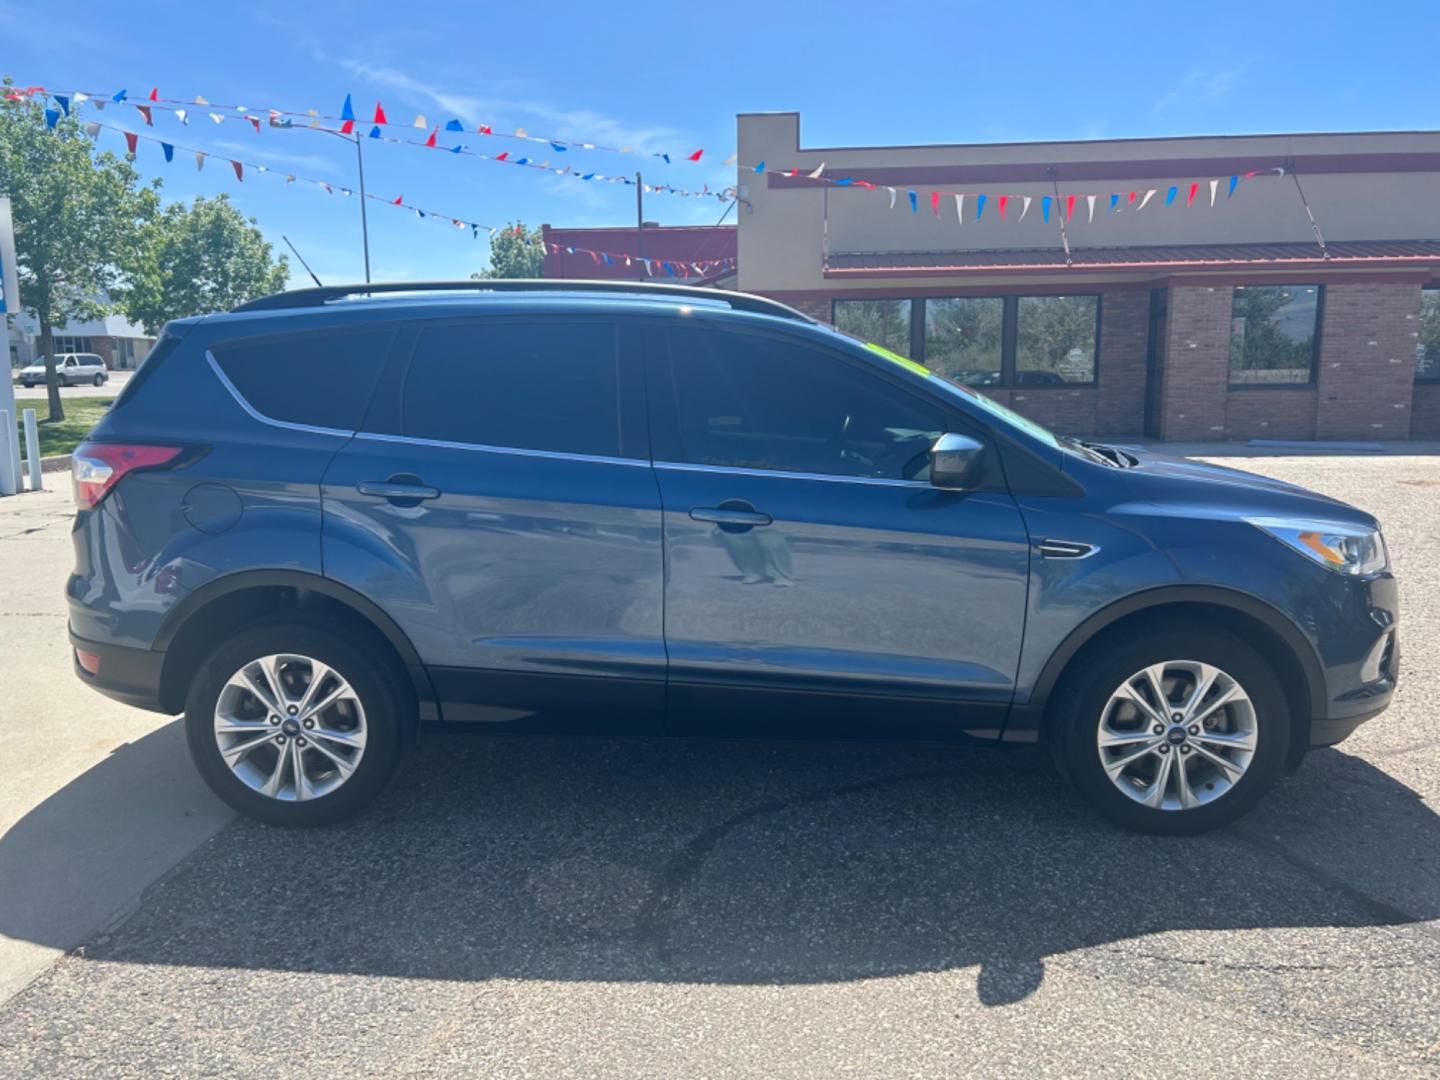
(1197, 359)
(1366, 377)
(1425, 411)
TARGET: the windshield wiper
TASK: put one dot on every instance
(1113, 454)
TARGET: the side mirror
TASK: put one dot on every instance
(955, 462)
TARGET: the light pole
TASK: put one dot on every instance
(360, 169)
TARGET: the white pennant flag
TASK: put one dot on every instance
(1090, 204)
(92, 129)
(732, 159)
(1214, 186)
(199, 161)
(200, 100)
(1025, 209)
(420, 122)
(891, 190)
(182, 116)
(1148, 196)
(816, 174)
(81, 97)
(217, 118)
(960, 208)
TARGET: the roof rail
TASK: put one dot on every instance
(304, 298)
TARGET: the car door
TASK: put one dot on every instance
(500, 506)
(68, 372)
(814, 576)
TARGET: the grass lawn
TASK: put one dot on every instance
(81, 414)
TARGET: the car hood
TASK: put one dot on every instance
(1169, 480)
(33, 369)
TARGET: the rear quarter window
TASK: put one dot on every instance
(319, 379)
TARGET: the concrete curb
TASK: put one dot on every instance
(55, 463)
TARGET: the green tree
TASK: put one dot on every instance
(515, 252)
(78, 220)
(197, 259)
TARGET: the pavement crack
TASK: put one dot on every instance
(1269, 969)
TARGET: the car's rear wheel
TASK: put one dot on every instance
(293, 725)
(1177, 732)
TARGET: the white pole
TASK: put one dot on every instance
(8, 464)
(32, 450)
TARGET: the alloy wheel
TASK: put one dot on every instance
(290, 727)
(1177, 735)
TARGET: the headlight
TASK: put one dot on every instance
(1346, 549)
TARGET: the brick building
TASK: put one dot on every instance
(121, 343)
(1169, 316)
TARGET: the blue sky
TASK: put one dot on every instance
(672, 76)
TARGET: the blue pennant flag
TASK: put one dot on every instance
(914, 202)
(118, 96)
(454, 125)
(588, 176)
(1114, 201)
(844, 180)
(1045, 208)
(456, 149)
(63, 102)
(667, 268)
(1233, 181)
(346, 111)
(608, 261)
(52, 117)
(980, 206)
(1170, 195)
(522, 161)
(559, 147)
(760, 167)
(375, 132)
(665, 156)
(169, 151)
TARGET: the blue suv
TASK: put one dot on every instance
(335, 517)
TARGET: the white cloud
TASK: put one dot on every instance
(1202, 86)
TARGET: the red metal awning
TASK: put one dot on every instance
(1350, 254)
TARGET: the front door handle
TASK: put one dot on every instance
(735, 517)
(409, 491)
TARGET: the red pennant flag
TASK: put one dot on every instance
(519, 229)
(347, 127)
(145, 112)
(1069, 207)
(239, 171)
(935, 203)
(399, 200)
(484, 129)
(155, 94)
(130, 139)
(502, 156)
(380, 114)
(256, 121)
(1193, 189)
(794, 172)
(1003, 200)
(431, 140)
(1132, 198)
(695, 156)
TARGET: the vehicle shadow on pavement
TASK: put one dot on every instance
(747, 862)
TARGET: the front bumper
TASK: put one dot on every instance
(128, 675)
(1361, 657)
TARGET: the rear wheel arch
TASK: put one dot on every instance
(1253, 621)
(236, 601)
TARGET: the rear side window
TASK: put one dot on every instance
(323, 380)
(531, 386)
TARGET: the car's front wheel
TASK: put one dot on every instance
(293, 725)
(1176, 732)
(99, 380)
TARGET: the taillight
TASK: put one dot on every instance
(98, 467)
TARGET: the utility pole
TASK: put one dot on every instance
(364, 222)
(640, 217)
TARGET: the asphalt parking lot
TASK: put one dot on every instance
(628, 907)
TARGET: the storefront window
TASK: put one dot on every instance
(1274, 330)
(1427, 349)
(885, 322)
(1055, 340)
(964, 339)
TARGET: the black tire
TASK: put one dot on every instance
(99, 380)
(1082, 698)
(384, 694)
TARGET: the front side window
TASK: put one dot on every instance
(1274, 330)
(964, 339)
(756, 402)
(524, 385)
(1055, 340)
(1427, 348)
(885, 322)
(317, 379)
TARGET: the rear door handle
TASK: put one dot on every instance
(724, 515)
(411, 492)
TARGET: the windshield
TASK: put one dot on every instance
(1005, 415)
